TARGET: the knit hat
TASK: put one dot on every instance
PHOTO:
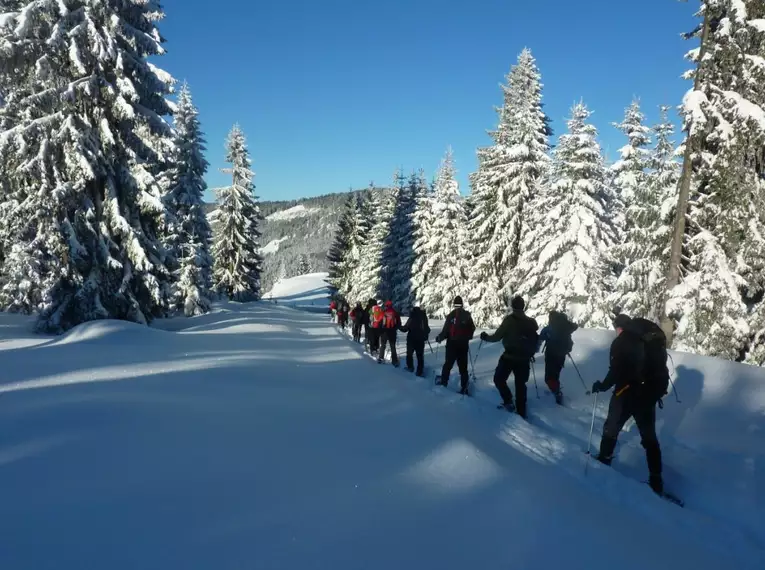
(457, 302)
(388, 303)
(621, 321)
(518, 303)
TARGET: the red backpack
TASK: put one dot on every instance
(459, 326)
(390, 318)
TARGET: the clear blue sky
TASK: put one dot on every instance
(338, 93)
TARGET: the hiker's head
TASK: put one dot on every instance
(518, 304)
(457, 303)
(621, 321)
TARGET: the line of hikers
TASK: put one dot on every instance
(637, 368)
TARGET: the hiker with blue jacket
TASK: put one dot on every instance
(558, 343)
(518, 333)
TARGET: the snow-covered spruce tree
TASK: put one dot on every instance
(439, 271)
(567, 252)
(304, 265)
(721, 244)
(83, 144)
(629, 172)
(189, 230)
(510, 174)
(368, 278)
(645, 248)
(238, 263)
(340, 250)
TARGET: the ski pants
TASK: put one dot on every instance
(357, 331)
(620, 410)
(456, 353)
(373, 335)
(415, 346)
(520, 369)
(553, 365)
(388, 336)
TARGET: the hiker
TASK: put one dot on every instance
(457, 332)
(417, 330)
(556, 337)
(640, 378)
(333, 309)
(518, 334)
(357, 317)
(342, 315)
(375, 327)
(367, 322)
(391, 321)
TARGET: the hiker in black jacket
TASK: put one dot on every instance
(366, 322)
(518, 334)
(626, 373)
(357, 316)
(417, 330)
(556, 337)
(457, 332)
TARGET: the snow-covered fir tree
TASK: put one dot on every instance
(190, 235)
(566, 262)
(340, 252)
(304, 265)
(629, 172)
(510, 174)
(645, 249)
(368, 278)
(84, 142)
(441, 240)
(238, 262)
(725, 126)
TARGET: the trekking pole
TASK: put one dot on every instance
(534, 373)
(674, 390)
(473, 360)
(430, 346)
(592, 427)
(577, 371)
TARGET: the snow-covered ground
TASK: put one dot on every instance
(307, 292)
(273, 246)
(259, 437)
(298, 211)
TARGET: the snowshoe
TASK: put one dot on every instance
(408, 369)
(509, 406)
(667, 496)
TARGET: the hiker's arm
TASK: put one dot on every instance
(471, 326)
(404, 328)
(427, 326)
(613, 372)
(498, 334)
(444, 334)
(542, 338)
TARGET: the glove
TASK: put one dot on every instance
(439, 340)
(533, 359)
(597, 387)
(484, 336)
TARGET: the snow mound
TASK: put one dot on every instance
(273, 246)
(105, 331)
(309, 292)
(298, 211)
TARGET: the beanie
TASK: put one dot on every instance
(518, 303)
(621, 321)
(457, 301)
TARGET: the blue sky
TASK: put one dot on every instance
(339, 93)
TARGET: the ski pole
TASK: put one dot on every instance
(472, 365)
(674, 390)
(577, 370)
(430, 346)
(534, 373)
(592, 427)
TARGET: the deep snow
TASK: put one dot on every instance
(259, 437)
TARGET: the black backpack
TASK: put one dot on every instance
(655, 371)
(559, 331)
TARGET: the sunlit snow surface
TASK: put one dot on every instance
(258, 437)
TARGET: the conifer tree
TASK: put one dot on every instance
(190, 234)
(645, 250)
(368, 279)
(509, 176)
(340, 252)
(711, 265)
(566, 261)
(238, 263)
(304, 265)
(440, 271)
(85, 142)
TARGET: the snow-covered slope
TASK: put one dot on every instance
(258, 437)
(298, 211)
(308, 292)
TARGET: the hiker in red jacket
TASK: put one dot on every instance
(457, 332)
(391, 321)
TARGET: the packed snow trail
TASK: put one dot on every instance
(258, 438)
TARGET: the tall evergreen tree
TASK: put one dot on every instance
(566, 260)
(84, 142)
(190, 234)
(304, 265)
(238, 262)
(725, 125)
(510, 174)
(440, 269)
(645, 250)
(340, 252)
(629, 172)
(368, 279)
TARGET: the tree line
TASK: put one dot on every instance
(673, 233)
(101, 210)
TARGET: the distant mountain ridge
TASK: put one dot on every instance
(296, 228)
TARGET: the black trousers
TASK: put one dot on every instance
(620, 410)
(356, 331)
(388, 336)
(415, 346)
(456, 353)
(553, 365)
(373, 338)
(520, 369)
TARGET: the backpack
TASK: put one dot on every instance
(559, 333)
(390, 318)
(377, 316)
(655, 371)
(460, 325)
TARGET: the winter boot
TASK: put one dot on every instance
(559, 397)
(509, 406)
(656, 484)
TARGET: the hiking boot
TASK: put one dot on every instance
(559, 397)
(509, 406)
(409, 369)
(464, 391)
(605, 460)
(656, 483)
